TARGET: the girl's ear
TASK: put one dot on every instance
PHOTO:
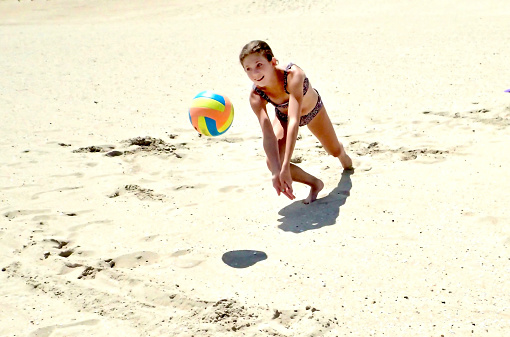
(274, 61)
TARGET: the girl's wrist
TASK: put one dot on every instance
(276, 171)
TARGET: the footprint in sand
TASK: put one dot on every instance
(58, 191)
(76, 175)
(367, 150)
(49, 330)
(23, 212)
(79, 227)
(133, 260)
(180, 260)
(140, 192)
(227, 189)
(497, 117)
(295, 317)
(150, 144)
(84, 272)
(94, 148)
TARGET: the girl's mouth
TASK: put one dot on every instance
(260, 79)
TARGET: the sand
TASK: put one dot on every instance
(118, 219)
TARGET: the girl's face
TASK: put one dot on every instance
(259, 69)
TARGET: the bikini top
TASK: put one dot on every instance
(284, 105)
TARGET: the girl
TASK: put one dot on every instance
(296, 104)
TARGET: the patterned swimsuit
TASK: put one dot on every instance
(304, 120)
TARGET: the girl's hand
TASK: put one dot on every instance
(276, 183)
(279, 187)
(286, 183)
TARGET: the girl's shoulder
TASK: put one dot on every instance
(293, 68)
(294, 77)
(257, 96)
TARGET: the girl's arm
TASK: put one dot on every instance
(269, 140)
(270, 143)
(295, 81)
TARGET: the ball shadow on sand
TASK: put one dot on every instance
(243, 258)
(298, 217)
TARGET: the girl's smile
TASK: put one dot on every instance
(258, 68)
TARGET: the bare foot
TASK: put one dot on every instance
(314, 192)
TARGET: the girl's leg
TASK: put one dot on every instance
(322, 128)
(316, 185)
(297, 174)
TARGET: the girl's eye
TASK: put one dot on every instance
(259, 65)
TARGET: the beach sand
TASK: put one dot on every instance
(118, 219)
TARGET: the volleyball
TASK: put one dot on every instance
(211, 114)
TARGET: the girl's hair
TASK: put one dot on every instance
(256, 47)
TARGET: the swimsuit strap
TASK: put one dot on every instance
(306, 85)
(306, 82)
(262, 94)
(285, 74)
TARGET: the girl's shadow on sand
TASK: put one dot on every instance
(298, 217)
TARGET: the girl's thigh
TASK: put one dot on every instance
(322, 128)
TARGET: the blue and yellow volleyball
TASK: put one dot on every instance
(210, 113)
